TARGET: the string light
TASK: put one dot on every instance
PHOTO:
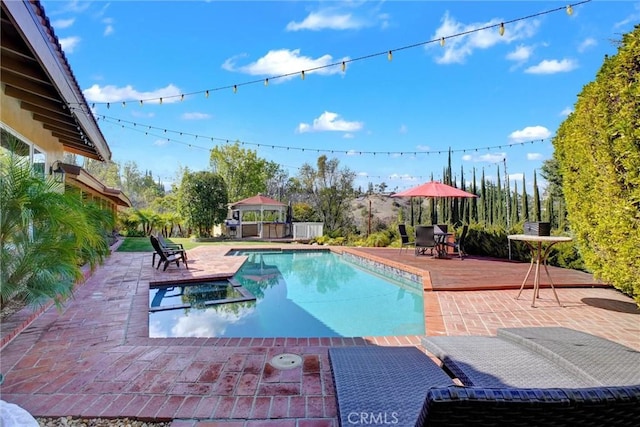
(344, 66)
(141, 102)
(161, 101)
(124, 104)
(206, 94)
(266, 82)
(502, 28)
(235, 88)
(390, 56)
(109, 119)
(302, 75)
(568, 9)
(182, 97)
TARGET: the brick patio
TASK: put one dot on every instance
(94, 358)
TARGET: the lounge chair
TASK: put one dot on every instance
(404, 237)
(522, 376)
(167, 256)
(170, 246)
(425, 239)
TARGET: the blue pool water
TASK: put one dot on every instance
(298, 294)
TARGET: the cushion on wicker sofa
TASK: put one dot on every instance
(607, 362)
(492, 362)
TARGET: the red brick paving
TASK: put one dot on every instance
(94, 358)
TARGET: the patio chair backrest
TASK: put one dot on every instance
(404, 237)
(425, 236)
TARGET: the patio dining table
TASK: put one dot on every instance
(539, 255)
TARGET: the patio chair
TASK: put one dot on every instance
(425, 239)
(458, 245)
(167, 256)
(404, 237)
(170, 246)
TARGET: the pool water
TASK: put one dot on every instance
(301, 294)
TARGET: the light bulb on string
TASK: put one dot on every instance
(569, 10)
(502, 29)
(206, 94)
(108, 105)
(124, 104)
(442, 41)
(235, 88)
(344, 66)
(302, 75)
(266, 82)
(390, 56)
(160, 101)
(182, 97)
(141, 103)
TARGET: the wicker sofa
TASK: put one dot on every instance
(522, 376)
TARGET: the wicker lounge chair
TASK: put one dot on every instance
(505, 382)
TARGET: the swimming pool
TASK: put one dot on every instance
(297, 294)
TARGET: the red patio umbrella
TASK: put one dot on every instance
(434, 190)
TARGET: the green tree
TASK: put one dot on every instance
(537, 209)
(598, 152)
(244, 173)
(203, 201)
(330, 190)
(45, 235)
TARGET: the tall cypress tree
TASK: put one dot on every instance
(536, 199)
(525, 200)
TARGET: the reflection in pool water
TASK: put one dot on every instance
(302, 294)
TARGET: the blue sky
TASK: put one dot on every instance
(483, 92)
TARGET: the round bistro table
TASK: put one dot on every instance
(539, 256)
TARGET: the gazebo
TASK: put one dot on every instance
(275, 227)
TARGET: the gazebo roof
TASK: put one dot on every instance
(258, 200)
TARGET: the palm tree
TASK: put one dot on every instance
(45, 235)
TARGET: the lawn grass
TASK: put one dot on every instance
(143, 244)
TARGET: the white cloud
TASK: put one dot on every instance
(352, 153)
(160, 142)
(108, 30)
(420, 147)
(631, 19)
(516, 176)
(530, 133)
(348, 136)
(566, 111)
(534, 156)
(68, 44)
(363, 174)
(327, 20)
(457, 49)
(63, 23)
(285, 61)
(403, 129)
(520, 54)
(486, 158)
(329, 121)
(195, 116)
(587, 43)
(111, 93)
(552, 66)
